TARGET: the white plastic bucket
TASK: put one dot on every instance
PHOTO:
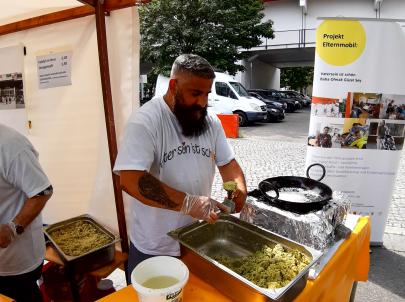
(155, 267)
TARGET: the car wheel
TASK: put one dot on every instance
(271, 118)
(242, 118)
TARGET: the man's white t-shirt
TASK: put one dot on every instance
(154, 142)
(21, 177)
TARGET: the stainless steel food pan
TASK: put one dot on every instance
(232, 237)
(92, 259)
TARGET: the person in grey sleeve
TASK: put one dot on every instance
(381, 132)
(24, 191)
(167, 161)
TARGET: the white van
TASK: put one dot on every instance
(227, 91)
(227, 96)
(162, 83)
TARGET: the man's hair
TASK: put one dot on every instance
(326, 127)
(193, 64)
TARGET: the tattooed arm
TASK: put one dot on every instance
(151, 191)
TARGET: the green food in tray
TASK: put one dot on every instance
(271, 267)
(79, 238)
(230, 186)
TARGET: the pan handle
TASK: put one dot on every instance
(264, 187)
(323, 171)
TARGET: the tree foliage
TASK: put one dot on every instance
(296, 78)
(213, 29)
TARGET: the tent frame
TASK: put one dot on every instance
(100, 8)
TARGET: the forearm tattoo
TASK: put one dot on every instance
(152, 189)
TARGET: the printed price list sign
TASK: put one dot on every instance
(54, 70)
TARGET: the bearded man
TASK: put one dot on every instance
(167, 161)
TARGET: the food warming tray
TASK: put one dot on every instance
(92, 259)
(232, 237)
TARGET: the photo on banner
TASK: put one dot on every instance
(329, 107)
(355, 133)
(375, 106)
(364, 105)
(386, 135)
(392, 107)
(326, 133)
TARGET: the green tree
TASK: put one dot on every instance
(213, 29)
(296, 78)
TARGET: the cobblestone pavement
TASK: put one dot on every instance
(396, 217)
(268, 150)
(261, 158)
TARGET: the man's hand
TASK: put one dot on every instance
(6, 235)
(233, 172)
(239, 197)
(202, 207)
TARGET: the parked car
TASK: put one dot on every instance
(297, 101)
(226, 90)
(275, 103)
(307, 97)
(273, 95)
(161, 87)
(298, 96)
(275, 110)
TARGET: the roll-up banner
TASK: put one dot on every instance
(358, 112)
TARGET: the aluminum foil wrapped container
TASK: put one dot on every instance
(314, 229)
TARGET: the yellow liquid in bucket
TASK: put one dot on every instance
(160, 282)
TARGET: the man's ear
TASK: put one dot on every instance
(172, 86)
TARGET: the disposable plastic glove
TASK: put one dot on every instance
(202, 207)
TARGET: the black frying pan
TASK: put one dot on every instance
(308, 194)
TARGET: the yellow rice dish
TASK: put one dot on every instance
(79, 238)
(271, 267)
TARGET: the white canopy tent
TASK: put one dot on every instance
(73, 127)
(21, 10)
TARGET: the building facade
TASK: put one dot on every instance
(295, 23)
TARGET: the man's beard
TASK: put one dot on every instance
(192, 119)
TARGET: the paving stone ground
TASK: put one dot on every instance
(261, 158)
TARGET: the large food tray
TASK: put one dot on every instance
(92, 259)
(229, 236)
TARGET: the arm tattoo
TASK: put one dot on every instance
(152, 189)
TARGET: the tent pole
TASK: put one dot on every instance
(109, 118)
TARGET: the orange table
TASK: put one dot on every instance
(334, 284)
(5, 299)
